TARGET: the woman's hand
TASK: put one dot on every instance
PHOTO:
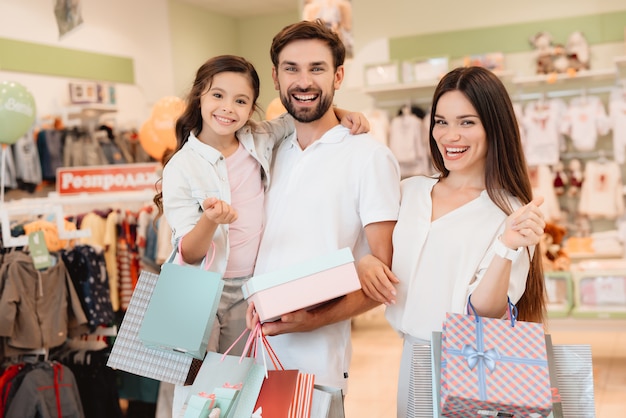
(377, 280)
(525, 226)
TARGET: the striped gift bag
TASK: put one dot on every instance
(494, 366)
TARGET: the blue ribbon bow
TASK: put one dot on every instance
(488, 358)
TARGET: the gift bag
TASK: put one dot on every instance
(276, 393)
(284, 393)
(574, 375)
(131, 355)
(491, 366)
(182, 309)
(222, 371)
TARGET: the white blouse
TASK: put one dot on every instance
(437, 261)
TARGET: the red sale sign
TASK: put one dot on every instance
(107, 178)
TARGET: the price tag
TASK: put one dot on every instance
(38, 250)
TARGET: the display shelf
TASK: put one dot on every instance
(582, 80)
(90, 111)
(418, 92)
(90, 114)
(393, 94)
(525, 87)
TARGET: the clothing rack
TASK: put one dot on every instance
(57, 205)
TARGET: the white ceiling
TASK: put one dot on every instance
(246, 8)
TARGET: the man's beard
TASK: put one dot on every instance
(309, 114)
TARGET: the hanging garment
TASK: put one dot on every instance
(50, 149)
(27, 163)
(87, 269)
(584, 120)
(601, 192)
(47, 390)
(37, 308)
(544, 141)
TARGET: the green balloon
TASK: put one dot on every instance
(17, 111)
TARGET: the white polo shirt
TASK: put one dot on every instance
(319, 200)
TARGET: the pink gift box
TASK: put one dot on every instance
(487, 366)
(303, 285)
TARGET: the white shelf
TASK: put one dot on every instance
(421, 91)
(592, 81)
(90, 111)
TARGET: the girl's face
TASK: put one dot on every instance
(227, 104)
(460, 134)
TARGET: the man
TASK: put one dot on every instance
(328, 191)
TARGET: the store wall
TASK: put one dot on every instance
(198, 35)
(167, 40)
(375, 24)
(406, 19)
(138, 30)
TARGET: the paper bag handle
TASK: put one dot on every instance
(511, 310)
(206, 265)
(251, 349)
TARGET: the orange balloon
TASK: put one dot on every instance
(274, 109)
(165, 113)
(151, 142)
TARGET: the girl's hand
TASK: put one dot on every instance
(377, 280)
(219, 211)
(525, 226)
(357, 122)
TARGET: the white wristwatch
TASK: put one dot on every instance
(505, 252)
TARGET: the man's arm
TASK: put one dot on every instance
(379, 239)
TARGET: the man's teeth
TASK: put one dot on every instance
(306, 98)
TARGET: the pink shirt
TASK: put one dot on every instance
(247, 197)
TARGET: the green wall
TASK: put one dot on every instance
(28, 57)
(194, 29)
(196, 36)
(598, 28)
(262, 29)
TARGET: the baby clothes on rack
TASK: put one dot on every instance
(544, 142)
(584, 120)
(601, 192)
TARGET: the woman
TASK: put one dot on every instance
(471, 229)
